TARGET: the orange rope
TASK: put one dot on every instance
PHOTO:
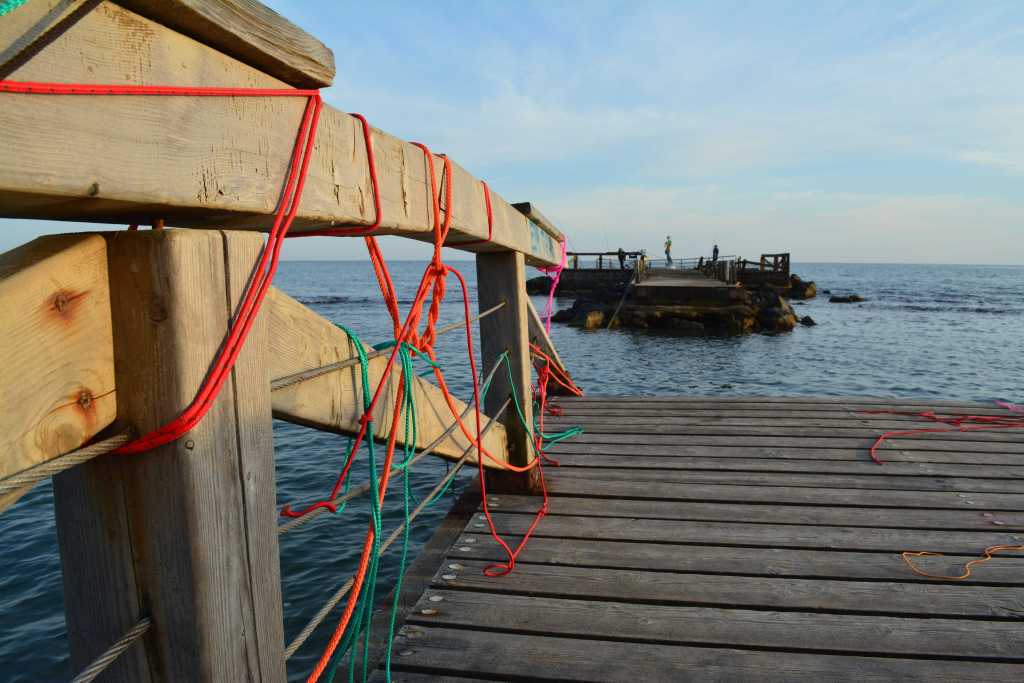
(986, 556)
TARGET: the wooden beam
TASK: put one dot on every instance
(302, 340)
(57, 376)
(539, 335)
(502, 277)
(186, 533)
(250, 32)
(25, 31)
(199, 162)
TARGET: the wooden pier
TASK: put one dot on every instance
(736, 539)
(687, 538)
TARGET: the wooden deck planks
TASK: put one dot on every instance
(671, 553)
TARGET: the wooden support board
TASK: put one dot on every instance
(185, 533)
(57, 374)
(669, 561)
(302, 340)
(210, 162)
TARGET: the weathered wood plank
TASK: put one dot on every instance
(964, 520)
(502, 277)
(643, 432)
(935, 442)
(962, 457)
(250, 32)
(755, 534)
(57, 376)
(742, 561)
(523, 657)
(171, 531)
(794, 479)
(668, 588)
(539, 335)
(859, 401)
(211, 161)
(301, 340)
(734, 424)
(753, 463)
(830, 633)
(26, 31)
(603, 488)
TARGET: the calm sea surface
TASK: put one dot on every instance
(943, 332)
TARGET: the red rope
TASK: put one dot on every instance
(490, 220)
(960, 423)
(258, 285)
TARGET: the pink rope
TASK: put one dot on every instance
(557, 270)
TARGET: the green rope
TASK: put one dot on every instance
(8, 6)
(363, 617)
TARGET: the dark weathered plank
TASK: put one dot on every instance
(795, 479)
(794, 495)
(759, 464)
(669, 588)
(873, 566)
(643, 433)
(964, 520)
(857, 401)
(831, 633)
(860, 454)
(755, 535)
(948, 443)
(511, 656)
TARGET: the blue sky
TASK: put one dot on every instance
(839, 131)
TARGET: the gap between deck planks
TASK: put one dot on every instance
(742, 561)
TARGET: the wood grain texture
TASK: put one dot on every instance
(57, 376)
(194, 517)
(301, 340)
(743, 561)
(502, 277)
(211, 161)
(870, 517)
(848, 634)
(250, 32)
(524, 656)
(670, 588)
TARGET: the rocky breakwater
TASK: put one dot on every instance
(800, 289)
(737, 311)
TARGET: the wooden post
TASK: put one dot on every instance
(501, 276)
(185, 534)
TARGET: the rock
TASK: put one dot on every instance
(849, 299)
(593, 320)
(563, 316)
(775, 314)
(807, 321)
(538, 285)
(801, 289)
(686, 327)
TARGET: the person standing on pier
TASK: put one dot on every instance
(714, 254)
(668, 250)
(622, 259)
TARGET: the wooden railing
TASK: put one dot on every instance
(110, 334)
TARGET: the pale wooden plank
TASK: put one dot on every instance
(25, 31)
(516, 656)
(57, 377)
(194, 545)
(850, 634)
(211, 161)
(668, 588)
(877, 517)
(502, 277)
(302, 340)
(250, 32)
